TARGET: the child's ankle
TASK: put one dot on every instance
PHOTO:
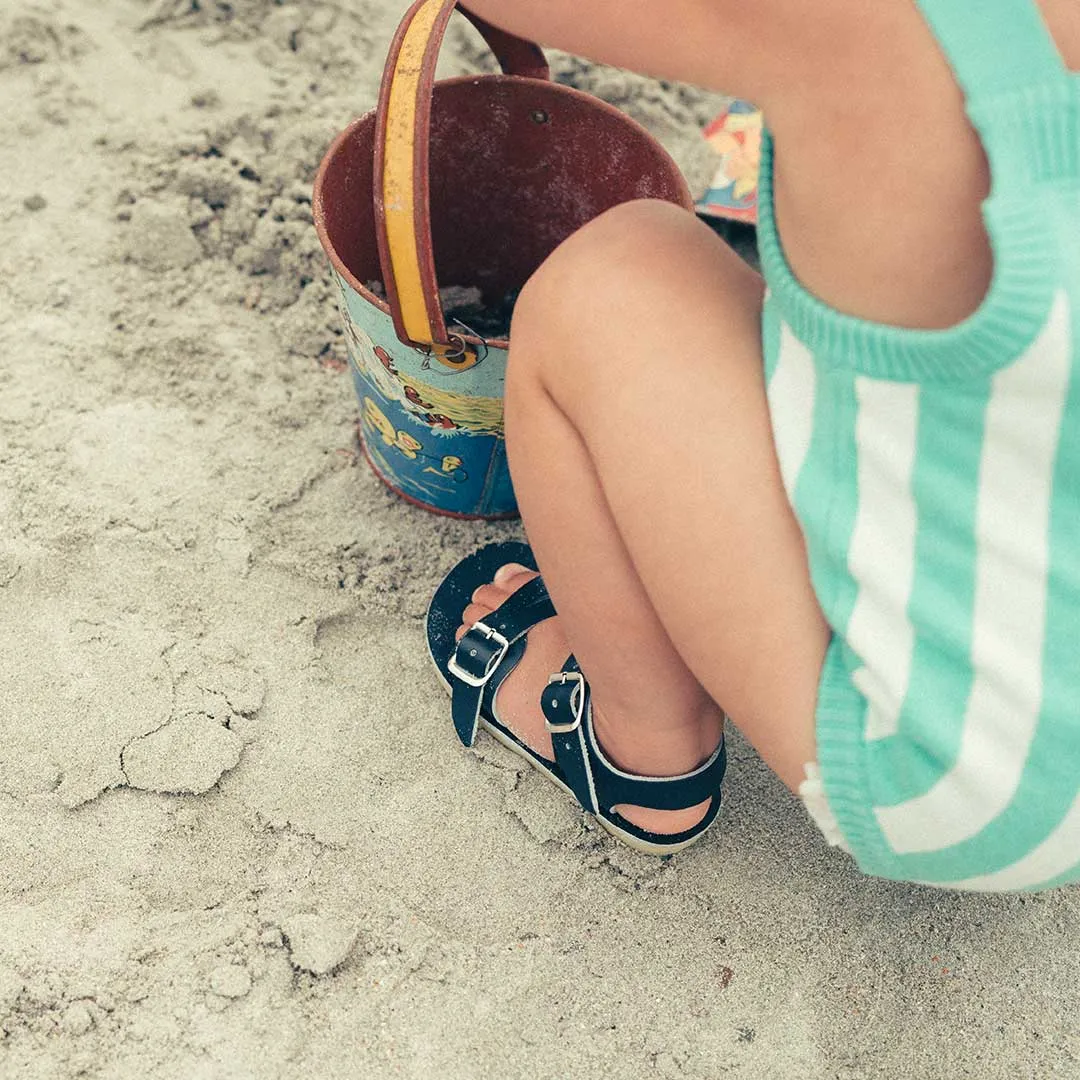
(668, 750)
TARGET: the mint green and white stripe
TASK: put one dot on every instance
(936, 475)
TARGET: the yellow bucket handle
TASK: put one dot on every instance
(402, 137)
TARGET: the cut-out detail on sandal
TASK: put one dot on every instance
(474, 668)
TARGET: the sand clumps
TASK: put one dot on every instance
(77, 1018)
(158, 240)
(11, 986)
(230, 981)
(32, 39)
(186, 756)
(211, 692)
(318, 944)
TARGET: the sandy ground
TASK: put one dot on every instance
(237, 835)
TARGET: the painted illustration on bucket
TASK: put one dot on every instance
(433, 433)
(422, 467)
(448, 464)
(454, 406)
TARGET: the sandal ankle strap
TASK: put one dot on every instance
(597, 783)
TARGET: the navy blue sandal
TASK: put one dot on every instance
(473, 669)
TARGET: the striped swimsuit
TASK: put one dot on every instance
(936, 477)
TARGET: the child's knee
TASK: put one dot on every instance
(636, 258)
(610, 267)
(621, 248)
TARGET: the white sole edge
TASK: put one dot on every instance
(628, 839)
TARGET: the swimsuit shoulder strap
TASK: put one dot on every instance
(995, 47)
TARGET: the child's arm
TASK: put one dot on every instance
(716, 44)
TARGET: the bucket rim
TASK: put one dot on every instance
(317, 204)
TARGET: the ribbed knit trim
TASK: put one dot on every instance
(841, 756)
(1035, 137)
(1038, 127)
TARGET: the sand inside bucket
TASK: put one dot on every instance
(465, 310)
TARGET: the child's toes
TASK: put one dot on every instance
(510, 570)
(471, 615)
(490, 596)
(486, 598)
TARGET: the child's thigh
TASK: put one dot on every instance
(645, 330)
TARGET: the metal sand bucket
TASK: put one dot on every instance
(472, 182)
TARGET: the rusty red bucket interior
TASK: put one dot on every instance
(516, 166)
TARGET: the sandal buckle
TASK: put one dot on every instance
(577, 702)
(494, 660)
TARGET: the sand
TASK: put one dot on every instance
(237, 835)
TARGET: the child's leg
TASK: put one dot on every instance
(642, 456)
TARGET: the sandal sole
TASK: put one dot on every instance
(454, 594)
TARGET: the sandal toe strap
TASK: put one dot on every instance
(490, 650)
(597, 783)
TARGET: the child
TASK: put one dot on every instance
(842, 506)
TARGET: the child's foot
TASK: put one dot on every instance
(664, 752)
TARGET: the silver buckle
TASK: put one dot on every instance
(577, 703)
(459, 672)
